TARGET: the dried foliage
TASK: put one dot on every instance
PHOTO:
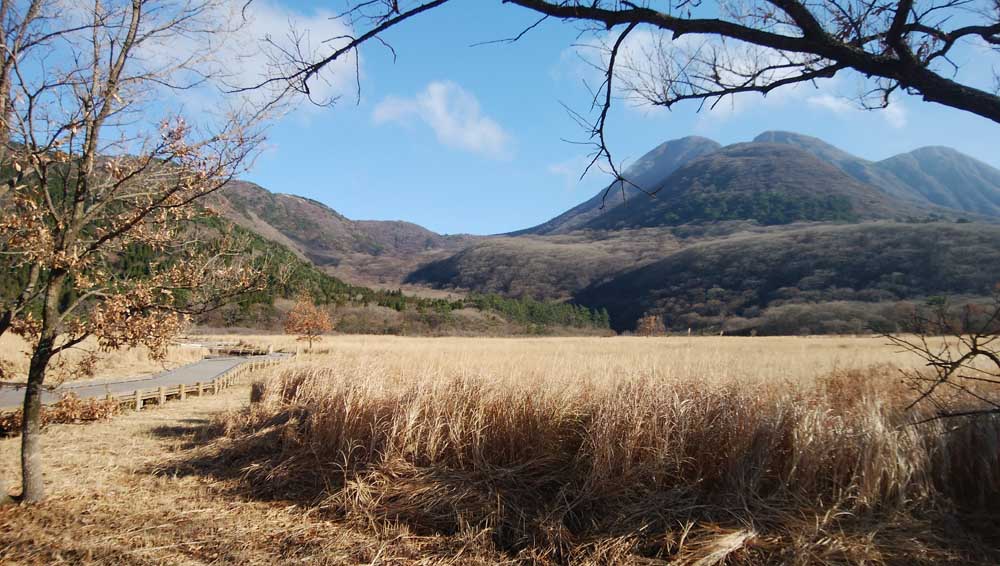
(175, 516)
(308, 321)
(650, 325)
(627, 467)
(69, 409)
(199, 505)
(94, 165)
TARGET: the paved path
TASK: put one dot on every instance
(203, 371)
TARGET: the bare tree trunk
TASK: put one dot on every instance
(32, 480)
(5, 110)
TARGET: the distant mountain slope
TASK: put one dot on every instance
(734, 235)
(770, 183)
(545, 267)
(368, 251)
(933, 175)
(649, 172)
(768, 178)
(949, 178)
(705, 284)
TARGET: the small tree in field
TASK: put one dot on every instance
(650, 325)
(308, 321)
(94, 169)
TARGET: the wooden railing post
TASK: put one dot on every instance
(182, 392)
(138, 400)
(163, 396)
(197, 388)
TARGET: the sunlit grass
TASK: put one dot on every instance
(750, 450)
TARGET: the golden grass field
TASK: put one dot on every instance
(387, 450)
(713, 357)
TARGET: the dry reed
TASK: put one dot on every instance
(559, 452)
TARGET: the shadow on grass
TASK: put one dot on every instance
(194, 432)
(524, 517)
(209, 452)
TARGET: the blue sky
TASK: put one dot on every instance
(470, 139)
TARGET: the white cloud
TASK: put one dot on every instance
(835, 104)
(894, 114)
(314, 33)
(586, 61)
(647, 55)
(247, 50)
(455, 116)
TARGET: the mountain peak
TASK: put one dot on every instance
(649, 172)
(813, 145)
(783, 136)
(653, 167)
(768, 182)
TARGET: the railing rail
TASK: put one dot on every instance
(160, 395)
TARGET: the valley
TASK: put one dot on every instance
(666, 242)
(383, 282)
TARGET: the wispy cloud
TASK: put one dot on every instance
(251, 44)
(455, 116)
(835, 104)
(571, 170)
(273, 28)
(894, 114)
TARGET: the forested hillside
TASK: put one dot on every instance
(763, 182)
(817, 279)
(365, 251)
(760, 236)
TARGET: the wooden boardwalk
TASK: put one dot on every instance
(207, 376)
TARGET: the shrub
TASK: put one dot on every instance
(67, 410)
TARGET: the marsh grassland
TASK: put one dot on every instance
(385, 450)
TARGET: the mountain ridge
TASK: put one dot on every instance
(943, 180)
(363, 251)
(737, 201)
(770, 183)
(645, 174)
(936, 188)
